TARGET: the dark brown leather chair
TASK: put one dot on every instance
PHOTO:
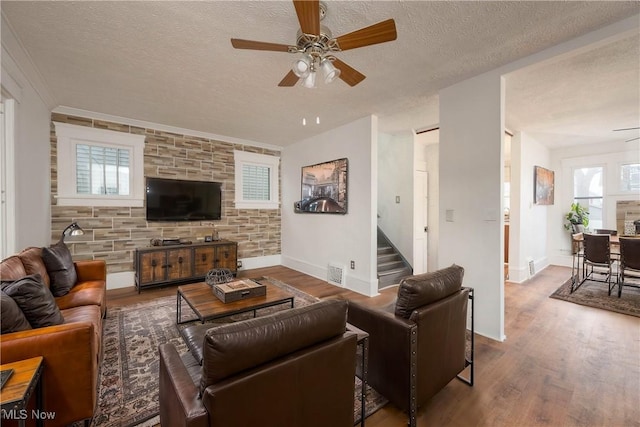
(598, 262)
(292, 368)
(418, 344)
(629, 263)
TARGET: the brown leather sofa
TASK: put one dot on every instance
(72, 351)
(292, 368)
(417, 343)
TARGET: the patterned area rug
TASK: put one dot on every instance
(128, 383)
(596, 294)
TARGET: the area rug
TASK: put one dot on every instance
(128, 382)
(595, 294)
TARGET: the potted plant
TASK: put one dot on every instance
(577, 218)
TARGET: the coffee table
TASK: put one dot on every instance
(206, 306)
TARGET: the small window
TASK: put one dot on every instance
(256, 180)
(630, 177)
(102, 170)
(98, 167)
(588, 190)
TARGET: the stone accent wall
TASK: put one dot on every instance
(113, 233)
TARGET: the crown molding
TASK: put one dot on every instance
(23, 64)
(158, 126)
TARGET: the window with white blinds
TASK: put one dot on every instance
(256, 180)
(102, 170)
(98, 167)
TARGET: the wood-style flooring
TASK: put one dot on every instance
(562, 364)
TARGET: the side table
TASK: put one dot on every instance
(16, 392)
(363, 343)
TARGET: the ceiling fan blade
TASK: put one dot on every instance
(632, 139)
(616, 130)
(308, 12)
(255, 45)
(381, 32)
(289, 80)
(349, 75)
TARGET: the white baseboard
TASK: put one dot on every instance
(123, 279)
(353, 283)
(260, 262)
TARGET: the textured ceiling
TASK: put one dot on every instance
(172, 63)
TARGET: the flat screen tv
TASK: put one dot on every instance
(178, 200)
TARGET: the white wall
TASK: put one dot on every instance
(31, 168)
(471, 169)
(311, 241)
(610, 156)
(395, 179)
(527, 220)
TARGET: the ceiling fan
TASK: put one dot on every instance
(623, 129)
(316, 46)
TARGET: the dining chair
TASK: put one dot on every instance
(597, 260)
(577, 250)
(615, 251)
(629, 263)
(605, 231)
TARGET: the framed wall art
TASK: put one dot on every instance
(324, 188)
(543, 186)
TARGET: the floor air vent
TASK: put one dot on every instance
(336, 274)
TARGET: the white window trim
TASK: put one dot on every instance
(272, 162)
(69, 136)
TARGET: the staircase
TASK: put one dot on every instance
(392, 267)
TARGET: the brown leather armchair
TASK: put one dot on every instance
(292, 368)
(418, 343)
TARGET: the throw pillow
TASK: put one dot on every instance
(11, 317)
(423, 289)
(35, 300)
(62, 272)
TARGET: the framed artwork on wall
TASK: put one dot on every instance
(543, 186)
(324, 188)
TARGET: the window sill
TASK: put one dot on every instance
(257, 205)
(100, 201)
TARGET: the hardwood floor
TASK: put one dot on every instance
(561, 364)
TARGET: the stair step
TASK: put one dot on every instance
(385, 250)
(382, 258)
(392, 265)
(392, 277)
(394, 271)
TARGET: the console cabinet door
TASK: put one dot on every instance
(179, 264)
(152, 267)
(204, 259)
(226, 257)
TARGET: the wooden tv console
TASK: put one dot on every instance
(165, 265)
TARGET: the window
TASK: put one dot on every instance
(102, 170)
(588, 190)
(98, 167)
(630, 177)
(256, 180)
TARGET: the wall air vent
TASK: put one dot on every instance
(532, 268)
(336, 274)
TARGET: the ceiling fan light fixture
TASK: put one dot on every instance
(310, 81)
(302, 66)
(329, 70)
